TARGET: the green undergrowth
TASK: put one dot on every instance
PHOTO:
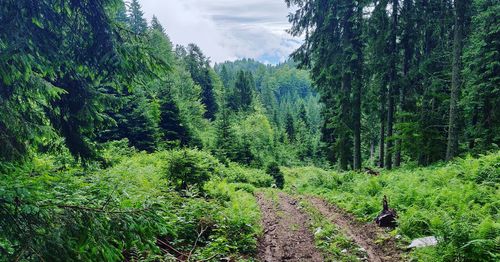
(163, 206)
(330, 239)
(457, 202)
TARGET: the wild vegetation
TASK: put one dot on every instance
(116, 145)
(456, 202)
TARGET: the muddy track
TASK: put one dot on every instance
(286, 231)
(379, 246)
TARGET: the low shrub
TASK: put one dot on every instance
(273, 170)
(236, 173)
(190, 167)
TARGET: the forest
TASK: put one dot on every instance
(118, 145)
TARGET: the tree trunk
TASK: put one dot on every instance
(392, 84)
(357, 69)
(452, 147)
(344, 139)
(382, 127)
(407, 57)
(372, 150)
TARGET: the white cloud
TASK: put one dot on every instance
(227, 29)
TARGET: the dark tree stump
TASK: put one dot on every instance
(371, 171)
(386, 218)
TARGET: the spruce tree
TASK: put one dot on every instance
(303, 116)
(241, 97)
(332, 50)
(482, 74)
(170, 122)
(199, 67)
(460, 8)
(226, 142)
(393, 79)
(290, 127)
(137, 22)
(156, 25)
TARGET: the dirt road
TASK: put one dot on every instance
(287, 235)
(286, 231)
(378, 244)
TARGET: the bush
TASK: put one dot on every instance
(190, 167)
(236, 173)
(239, 223)
(273, 170)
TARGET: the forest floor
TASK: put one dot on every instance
(288, 235)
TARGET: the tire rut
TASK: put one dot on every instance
(286, 234)
(364, 235)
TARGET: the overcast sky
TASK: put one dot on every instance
(227, 29)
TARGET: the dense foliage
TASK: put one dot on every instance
(117, 146)
(424, 73)
(54, 210)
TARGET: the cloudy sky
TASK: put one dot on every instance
(227, 29)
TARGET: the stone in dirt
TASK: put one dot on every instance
(423, 242)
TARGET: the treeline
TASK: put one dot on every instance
(78, 74)
(403, 80)
(268, 114)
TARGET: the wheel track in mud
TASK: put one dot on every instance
(287, 235)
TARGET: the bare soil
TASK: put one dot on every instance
(286, 231)
(376, 242)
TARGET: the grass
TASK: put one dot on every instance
(329, 238)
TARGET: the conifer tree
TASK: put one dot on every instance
(290, 127)
(138, 23)
(303, 116)
(199, 67)
(460, 8)
(241, 98)
(226, 142)
(482, 74)
(170, 123)
(156, 25)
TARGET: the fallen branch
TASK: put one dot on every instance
(202, 230)
(171, 247)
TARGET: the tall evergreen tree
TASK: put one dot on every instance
(225, 77)
(226, 141)
(409, 39)
(138, 23)
(290, 127)
(156, 25)
(333, 34)
(456, 81)
(241, 98)
(198, 65)
(170, 123)
(482, 73)
(303, 116)
(393, 81)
